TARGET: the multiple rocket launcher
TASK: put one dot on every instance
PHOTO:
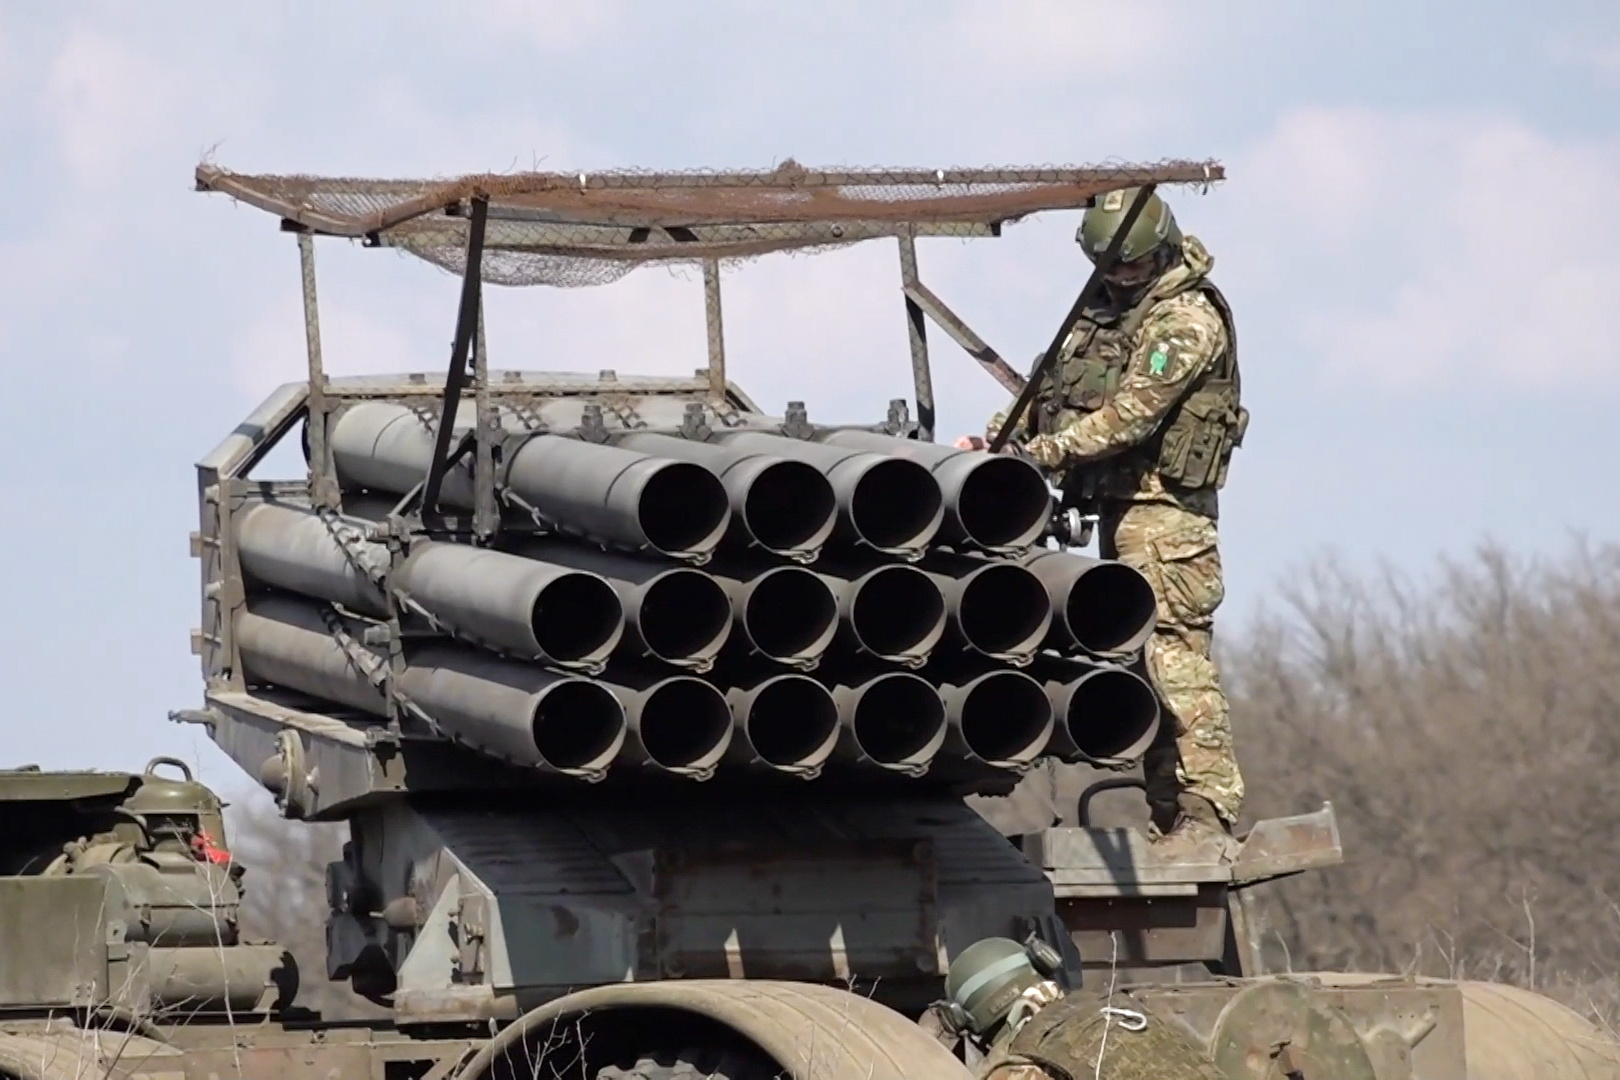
(849, 601)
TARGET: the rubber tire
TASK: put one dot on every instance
(691, 1065)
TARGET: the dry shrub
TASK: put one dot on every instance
(1467, 731)
(285, 897)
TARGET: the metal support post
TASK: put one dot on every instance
(917, 332)
(950, 322)
(716, 328)
(486, 516)
(456, 377)
(322, 485)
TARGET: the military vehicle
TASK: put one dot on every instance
(654, 714)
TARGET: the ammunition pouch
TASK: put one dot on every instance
(1197, 446)
(1094, 382)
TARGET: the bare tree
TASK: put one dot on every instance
(285, 897)
(1467, 730)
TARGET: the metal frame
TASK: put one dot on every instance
(661, 200)
(467, 321)
(640, 220)
(715, 328)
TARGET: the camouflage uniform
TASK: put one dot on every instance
(1076, 1039)
(1143, 420)
(1017, 1070)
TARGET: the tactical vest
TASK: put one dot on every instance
(1194, 444)
(1067, 1039)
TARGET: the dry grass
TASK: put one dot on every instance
(1467, 730)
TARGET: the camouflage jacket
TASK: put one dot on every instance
(1086, 1035)
(1126, 377)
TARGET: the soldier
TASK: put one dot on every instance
(1001, 997)
(992, 990)
(1138, 421)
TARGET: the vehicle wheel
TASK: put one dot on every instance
(693, 1065)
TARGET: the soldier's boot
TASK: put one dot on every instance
(1198, 833)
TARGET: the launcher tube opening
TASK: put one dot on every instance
(788, 507)
(790, 615)
(1109, 715)
(898, 721)
(792, 722)
(684, 724)
(577, 725)
(1003, 611)
(895, 505)
(1000, 504)
(1004, 717)
(896, 613)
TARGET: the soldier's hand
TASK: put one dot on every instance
(1044, 450)
(970, 442)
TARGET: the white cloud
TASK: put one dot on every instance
(409, 133)
(380, 314)
(826, 329)
(650, 322)
(1468, 250)
(549, 25)
(1600, 57)
(1044, 40)
(108, 103)
(270, 348)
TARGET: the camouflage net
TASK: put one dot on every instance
(592, 228)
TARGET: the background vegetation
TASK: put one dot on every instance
(1467, 731)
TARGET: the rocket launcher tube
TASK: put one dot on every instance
(285, 641)
(894, 722)
(999, 610)
(1099, 606)
(608, 494)
(778, 505)
(1106, 715)
(292, 548)
(672, 613)
(888, 504)
(520, 713)
(787, 723)
(679, 725)
(893, 613)
(568, 617)
(993, 502)
(380, 446)
(1002, 718)
(786, 614)
(517, 712)
(619, 497)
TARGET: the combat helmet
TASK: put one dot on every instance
(1154, 228)
(182, 809)
(989, 978)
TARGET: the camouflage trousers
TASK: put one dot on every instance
(1177, 551)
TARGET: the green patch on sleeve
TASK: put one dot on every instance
(1159, 359)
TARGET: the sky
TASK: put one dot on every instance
(1418, 234)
